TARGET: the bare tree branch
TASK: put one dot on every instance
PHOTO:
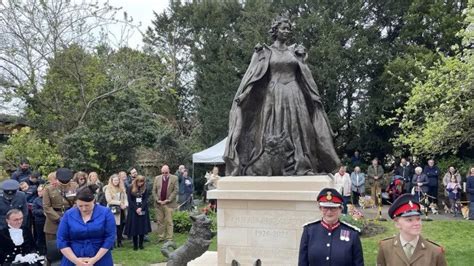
(104, 95)
(32, 32)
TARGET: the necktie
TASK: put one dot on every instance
(408, 250)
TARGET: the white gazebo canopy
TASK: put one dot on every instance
(211, 155)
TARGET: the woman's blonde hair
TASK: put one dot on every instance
(89, 178)
(469, 171)
(119, 188)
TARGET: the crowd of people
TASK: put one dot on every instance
(83, 218)
(422, 182)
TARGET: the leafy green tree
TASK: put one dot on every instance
(26, 144)
(74, 81)
(414, 35)
(169, 39)
(363, 54)
(101, 107)
(437, 118)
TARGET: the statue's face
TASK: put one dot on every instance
(284, 30)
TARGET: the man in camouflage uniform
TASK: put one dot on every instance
(58, 197)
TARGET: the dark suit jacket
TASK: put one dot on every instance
(319, 246)
(8, 250)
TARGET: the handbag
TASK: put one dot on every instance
(115, 209)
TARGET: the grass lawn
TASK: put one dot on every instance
(151, 254)
(457, 237)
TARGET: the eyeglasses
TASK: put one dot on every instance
(165, 173)
(333, 209)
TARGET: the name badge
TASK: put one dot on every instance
(139, 200)
(70, 194)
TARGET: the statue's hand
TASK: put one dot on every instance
(300, 51)
(238, 101)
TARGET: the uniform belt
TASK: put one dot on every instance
(61, 209)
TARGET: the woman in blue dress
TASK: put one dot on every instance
(86, 233)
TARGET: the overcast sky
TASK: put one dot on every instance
(140, 11)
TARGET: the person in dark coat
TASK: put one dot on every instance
(23, 171)
(432, 172)
(39, 220)
(33, 181)
(133, 174)
(11, 198)
(408, 247)
(86, 232)
(356, 159)
(138, 217)
(470, 192)
(420, 183)
(17, 244)
(330, 241)
(188, 188)
(405, 170)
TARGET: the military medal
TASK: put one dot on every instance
(344, 235)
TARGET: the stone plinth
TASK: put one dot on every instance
(262, 217)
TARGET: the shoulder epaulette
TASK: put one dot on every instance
(351, 226)
(312, 222)
(258, 47)
(436, 244)
(386, 239)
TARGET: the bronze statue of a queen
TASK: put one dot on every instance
(277, 123)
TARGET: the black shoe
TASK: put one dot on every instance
(119, 244)
(135, 248)
(141, 247)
